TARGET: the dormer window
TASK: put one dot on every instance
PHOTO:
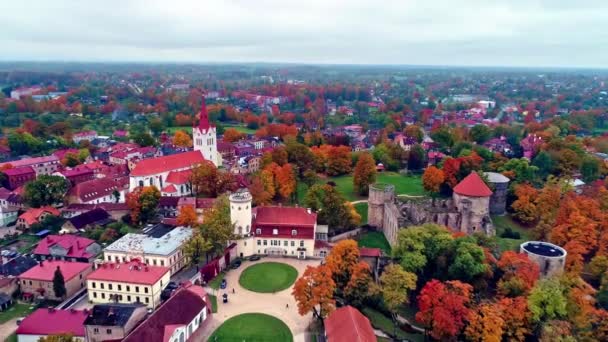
(275, 232)
(294, 232)
(258, 231)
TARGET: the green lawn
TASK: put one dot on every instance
(187, 129)
(361, 208)
(267, 277)
(12, 338)
(375, 240)
(384, 323)
(501, 223)
(15, 311)
(242, 129)
(213, 300)
(404, 185)
(252, 327)
(215, 282)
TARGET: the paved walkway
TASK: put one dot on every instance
(8, 328)
(245, 301)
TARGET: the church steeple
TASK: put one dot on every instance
(203, 117)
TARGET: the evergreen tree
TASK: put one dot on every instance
(59, 284)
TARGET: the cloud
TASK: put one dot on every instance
(443, 32)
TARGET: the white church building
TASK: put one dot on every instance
(204, 136)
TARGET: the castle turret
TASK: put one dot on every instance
(240, 212)
(498, 201)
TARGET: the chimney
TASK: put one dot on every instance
(41, 263)
(308, 210)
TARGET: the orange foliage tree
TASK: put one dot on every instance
(432, 179)
(516, 316)
(232, 135)
(485, 323)
(314, 291)
(365, 173)
(524, 206)
(519, 274)
(182, 139)
(187, 216)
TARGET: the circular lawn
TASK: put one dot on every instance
(252, 327)
(267, 277)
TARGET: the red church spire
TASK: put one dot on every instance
(203, 122)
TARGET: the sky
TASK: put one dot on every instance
(528, 33)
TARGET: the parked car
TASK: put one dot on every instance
(236, 264)
(223, 284)
(172, 285)
(225, 298)
(255, 257)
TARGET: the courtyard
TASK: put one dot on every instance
(268, 277)
(280, 304)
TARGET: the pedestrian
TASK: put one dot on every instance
(287, 306)
(233, 290)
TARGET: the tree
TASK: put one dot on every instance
(416, 158)
(45, 190)
(547, 300)
(341, 261)
(285, 179)
(468, 262)
(520, 171)
(314, 292)
(232, 135)
(485, 323)
(332, 208)
(396, 284)
(519, 274)
(524, 206)
(590, 169)
(182, 139)
(516, 318)
(57, 338)
(432, 179)
(217, 227)
(70, 159)
(59, 284)
(310, 178)
(144, 139)
(419, 246)
(545, 164)
(339, 160)
(365, 173)
(156, 126)
(361, 284)
(443, 307)
(187, 216)
(196, 248)
(204, 179)
(480, 133)
(143, 202)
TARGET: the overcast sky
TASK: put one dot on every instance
(426, 32)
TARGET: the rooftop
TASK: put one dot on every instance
(116, 315)
(284, 216)
(32, 161)
(16, 171)
(164, 245)
(46, 270)
(494, 177)
(134, 272)
(75, 246)
(472, 185)
(172, 162)
(347, 324)
(543, 248)
(51, 321)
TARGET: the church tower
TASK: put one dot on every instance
(204, 136)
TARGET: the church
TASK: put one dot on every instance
(204, 136)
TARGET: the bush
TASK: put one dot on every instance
(510, 234)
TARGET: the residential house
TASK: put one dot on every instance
(155, 171)
(183, 317)
(500, 145)
(95, 217)
(67, 247)
(38, 280)
(178, 184)
(48, 321)
(112, 322)
(35, 215)
(116, 210)
(86, 135)
(95, 191)
(6, 301)
(9, 285)
(348, 324)
(77, 174)
(42, 165)
(165, 251)
(530, 144)
(15, 266)
(8, 215)
(129, 282)
(16, 177)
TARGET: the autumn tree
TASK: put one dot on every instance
(341, 261)
(187, 216)
(232, 135)
(57, 338)
(208, 181)
(517, 318)
(45, 190)
(396, 285)
(196, 248)
(331, 206)
(361, 285)
(182, 139)
(217, 228)
(285, 180)
(143, 202)
(485, 323)
(444, 307)
(365, 173)
(524, 206)
(547, 300)
(519, 274)
(432, 179)
(314, 292)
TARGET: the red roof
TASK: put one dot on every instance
(370, 252)
(284, 216)
(75, 246)
(347, 324)
(17, 171)
(169, 189)
(94, 189)
(46, 270)
(32, 215)
(172, 162)
(473, 185)
(203, 123)
(179, 177)
(32, 161)
(52, 322)
(132, 272)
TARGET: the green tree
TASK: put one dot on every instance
(468, 262)
(417, 158)
(444, 137)
(590, 169)
(547, 300)
(144, 139)
(59, 284)
(332, 208)
(396, 284)
(310, 177)
(545, 164)
(480, 133)
(522, 170)
(196, 248)
(419, 246)
(156, 126)
(300, 156)
(45, 190)
(217, 228)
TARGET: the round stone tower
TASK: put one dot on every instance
(498, 201)
(550, 258)
(379, 194)
(240, 212)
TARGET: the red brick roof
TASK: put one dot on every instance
(32, 215)
(179, 177)
(75, 246)
(131, 272)
(172, 162)
(52, 322)
(474, 186)
(370, 252)
(347, 324)
(32, 161)
(179, 310)
(94, 189)
(284, 216)
(16, 171)
(46, 270)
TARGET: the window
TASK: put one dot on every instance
(265, 243)
(129, 299)
(147, 300)
(119, 287)
(109, 258)
(93, 284)
(137, 299)
(94, 294)
(301, 243)
(109, 286)
(259, 242)
(285, 243)
(128, 288)
(108, 331)
(101, 285)
(137, 289)
(103, 295)
(293, 243)
(258, 231)
(145, 289)
(162, 262)
(96, 330)
(275, 232)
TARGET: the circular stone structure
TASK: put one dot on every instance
(550, 258)
(253, 327)
(268, 277)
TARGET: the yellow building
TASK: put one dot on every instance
(129, 282)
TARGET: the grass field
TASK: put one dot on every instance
(253, 327)
(361, 208)
(215, 282)
(501, 223)
(15, 311)
(404, 185)
(384, 323)
(375, 240)
(187, 129)
(213, 300)
(240, 128)
(268, 277)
